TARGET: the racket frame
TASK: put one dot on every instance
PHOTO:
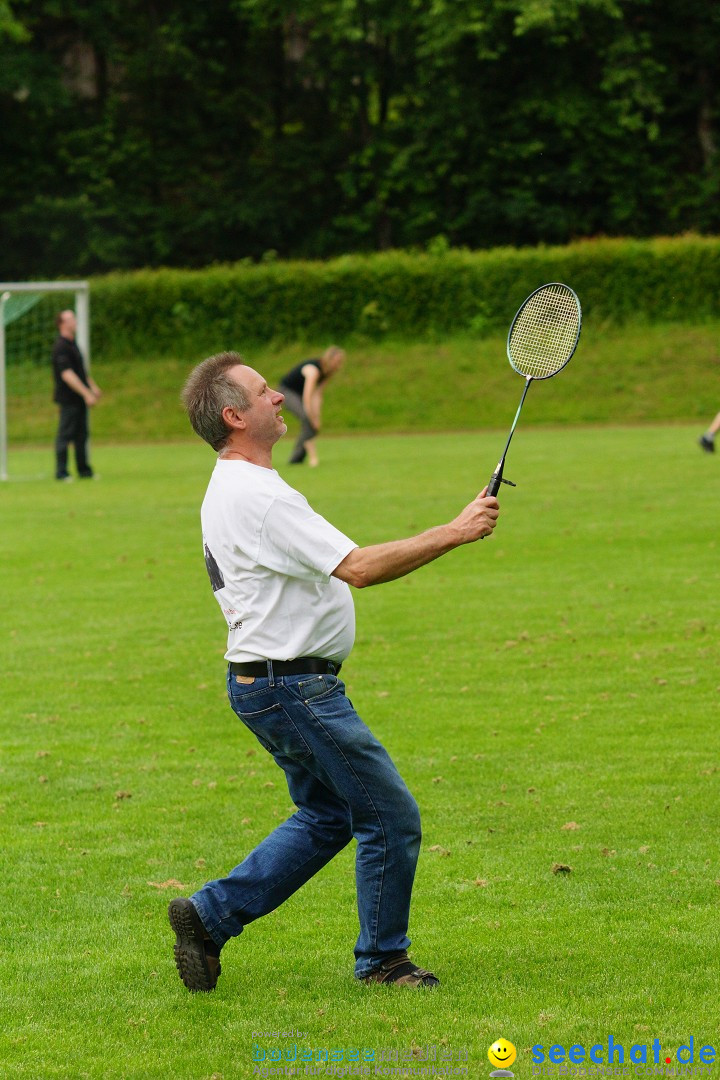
(518, 313)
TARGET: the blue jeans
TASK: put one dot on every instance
(344, 784)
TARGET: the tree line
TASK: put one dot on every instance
(178, 133)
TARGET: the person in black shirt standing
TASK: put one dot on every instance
(75, 392)
(303, 388)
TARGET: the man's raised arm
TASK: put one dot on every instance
(385, 562)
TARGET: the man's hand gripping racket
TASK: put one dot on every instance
(542, 338)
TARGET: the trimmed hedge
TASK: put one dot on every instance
(398, 293)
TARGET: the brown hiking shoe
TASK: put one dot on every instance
(401, 971)
(196, 954)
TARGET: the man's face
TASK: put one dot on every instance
(68, 323)
(263, 419)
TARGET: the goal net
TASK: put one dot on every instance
(27, 332)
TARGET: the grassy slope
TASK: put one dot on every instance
(634, 374)
(565, 671)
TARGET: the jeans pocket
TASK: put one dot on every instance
(275, 730)
(316, 686)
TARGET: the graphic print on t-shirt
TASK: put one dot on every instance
(214, 573)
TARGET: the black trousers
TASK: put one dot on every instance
(294, 403)
(72, 429)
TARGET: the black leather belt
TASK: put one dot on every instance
(304, 665)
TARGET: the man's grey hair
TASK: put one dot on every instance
(208, 391)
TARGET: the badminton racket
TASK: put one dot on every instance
(542, 338)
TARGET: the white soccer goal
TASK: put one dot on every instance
(27, 332)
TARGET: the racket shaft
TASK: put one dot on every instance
(496, 478)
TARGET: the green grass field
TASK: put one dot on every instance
(550, 696)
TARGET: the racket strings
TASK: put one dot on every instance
(545, 332)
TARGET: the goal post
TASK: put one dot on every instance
(20, 346)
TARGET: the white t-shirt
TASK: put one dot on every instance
(270, 558)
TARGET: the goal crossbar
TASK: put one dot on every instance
(42, 286)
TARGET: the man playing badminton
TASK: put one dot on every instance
(280, 573)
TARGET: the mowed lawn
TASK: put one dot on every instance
(550, 695)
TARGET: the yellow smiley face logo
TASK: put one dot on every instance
(502, 1054)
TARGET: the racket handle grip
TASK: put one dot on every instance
(494, 485)
(494, 482)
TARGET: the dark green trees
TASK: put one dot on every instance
(180, 133)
